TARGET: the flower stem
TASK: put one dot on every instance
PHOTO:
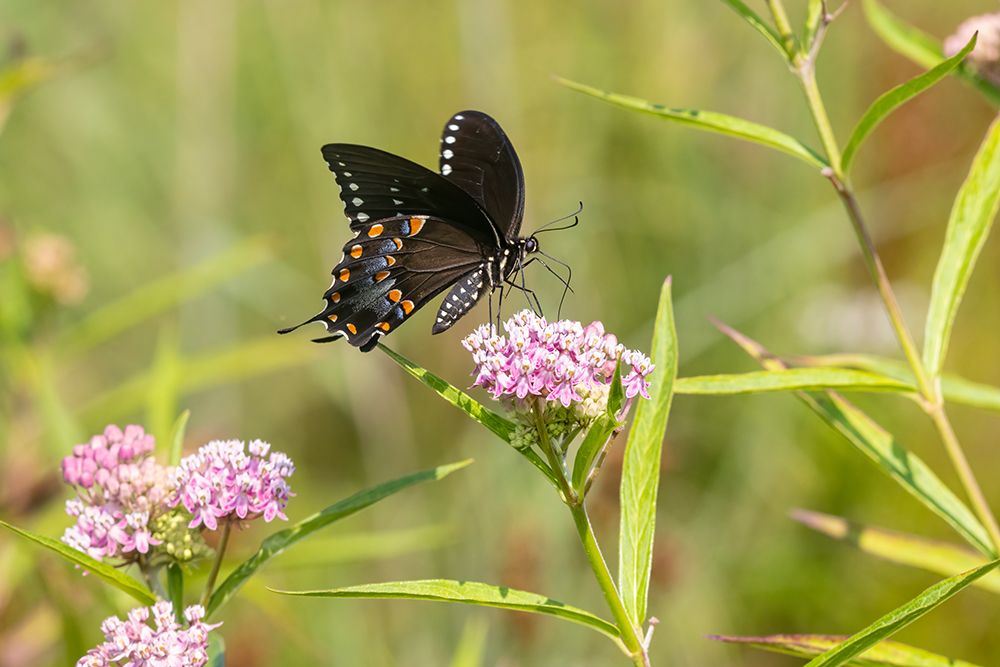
(784, 27)
(932, 401)
(630, 635)
(220, 553)
(555, 461)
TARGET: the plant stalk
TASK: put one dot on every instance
(784, 27)
(555, 461)
(217, 565)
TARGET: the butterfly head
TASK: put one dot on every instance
(530, 245)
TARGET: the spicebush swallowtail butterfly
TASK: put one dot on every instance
(418, 233)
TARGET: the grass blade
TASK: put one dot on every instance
(909, 471)
(899, 618)
(472, 645)
(882, 654)
(468, 592)
(920, 47)
(790, 379)
(175, 590)
(971, 218)
(895, 98)
(912, 550)
(710, 121)
(177, 438)
(758, 24)
(641, 466)
(106, 573)
(277, 542)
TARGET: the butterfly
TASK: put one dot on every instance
(418, 233)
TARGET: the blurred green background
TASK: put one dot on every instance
(176, 155)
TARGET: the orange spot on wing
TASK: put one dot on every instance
(416, 224)
(390, 260)
(381, 275)
(375, 230)
(335, 297)
(355, 251)
(353, 329)
(399, 243)
(384, 326)
(395, 295)
(332, 318)
(407, 306)
(345, 275)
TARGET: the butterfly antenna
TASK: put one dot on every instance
(547, 227)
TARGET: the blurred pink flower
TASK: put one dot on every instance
(134, 643)
(120, 490)
(986, 54)
(222, 481)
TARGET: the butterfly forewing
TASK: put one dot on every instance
(477, 156)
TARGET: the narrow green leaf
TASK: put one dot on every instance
(920, 47)
(791, 379)
(758, 24)
(909, 471)
(216, 650)
(814, 20)
(468, 592)
(470, 649)
(895, 98)
(175, 590)
(113, 576)
(164, 385)
(177, 437)
(593, 442)
(954, 388)
(903, 548)
(971, 218)
(277, 542)
(710, 121)
(153, 298)
(616, 393)
(882, 654)
(899, 618)
(641, 466)
(501, 426)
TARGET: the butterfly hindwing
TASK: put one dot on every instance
(477, 156)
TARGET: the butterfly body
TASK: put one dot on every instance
(418, 233)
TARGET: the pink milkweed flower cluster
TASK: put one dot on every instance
(222, 481)
(166, 643)
(121, 489)
(560, 362)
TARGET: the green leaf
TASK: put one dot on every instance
(954, 388)
(151, 299)
(920, 47)
(113, 576)
(899, 618)
(971, 218)
(758, 24)
(909, 471)
(882, 654)
(164, 385)
(277, 542)
(616, 393)
(912, 550)
(895, 98)
(791, 379)
(472, 645)
(175, 590)
(177, 437)
(216, 650)
(468, 592)
(602, 429)
(710, 121)
(500, 426)
(641, 466)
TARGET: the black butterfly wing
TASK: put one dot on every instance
(477, 156)
(375, 185)
(390, 270)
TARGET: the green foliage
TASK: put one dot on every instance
(177, 438)
(895, 98)
(216, 650)
(641, 466)
(789, 379)
(469, 652)
(277, 542)
(968, 226)
(897, 619)
(882, 654)
(106, 573)
(760, 25)
(902, 548)
(175, 590)
(468, 592)
(603, 428)
(710, 121)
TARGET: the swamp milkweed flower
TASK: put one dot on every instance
(121, 491)
(166, 643)
(563, 368)
(222, 481)
(986, 54)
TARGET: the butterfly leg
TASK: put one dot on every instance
(530, 295)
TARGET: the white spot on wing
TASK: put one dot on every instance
(362, 217)
(357, 201)
(353, 187)
(446, 169)
(348, 174)
(453, 127)
(449, 140)
(397, 202)
(448, 154)
(459, 117)
(392, 189)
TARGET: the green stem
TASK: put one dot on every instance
(153, 581)
(631, 636)
(784, 27)
(220, 553)
(555, 462)
(807, 75)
